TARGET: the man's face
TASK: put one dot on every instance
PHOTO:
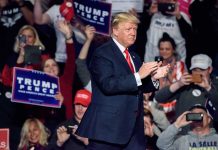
(202, 72)
(79, 111)
(205, 123)
(125, 33)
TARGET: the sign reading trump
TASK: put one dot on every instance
(94, 13)
(35, 88)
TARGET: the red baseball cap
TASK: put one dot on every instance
(83, 97)
(66, 10)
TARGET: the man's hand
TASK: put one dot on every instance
(62, 135)
(147, 68)
(161, 72)
(181, 120)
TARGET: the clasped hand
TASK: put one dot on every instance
(154, 69)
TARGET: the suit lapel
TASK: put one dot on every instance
(119, 56)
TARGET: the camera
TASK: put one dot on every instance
(32, 54)
(196, 78)
(22, 38)
(166, 7)
(194, 117)
(158, 58)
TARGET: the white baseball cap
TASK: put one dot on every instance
(201, 61)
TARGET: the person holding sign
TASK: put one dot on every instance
(114, 118)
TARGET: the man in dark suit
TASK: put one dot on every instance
(114, 120)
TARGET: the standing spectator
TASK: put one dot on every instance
(52, 16)
(188, 91)
(167, 49)
(81, 61)
(114, 119)
(200, 136)
(65, 137)
(50, 66)
(13, 15)
(166, 21)
(30, 38)
(34, 135)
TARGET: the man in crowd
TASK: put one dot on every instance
(201, 135)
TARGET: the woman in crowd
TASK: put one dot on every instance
(27, 36)
(167, 48)
(34, 135)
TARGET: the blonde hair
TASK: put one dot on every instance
(44, 133)
(36, 36)
(124, 17)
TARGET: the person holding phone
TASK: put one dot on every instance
(188, 92)
(165, 16)
(64, 137)
(200, 136)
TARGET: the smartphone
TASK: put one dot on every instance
(166, 7)
(158, 58)
(196, 78)
(22, 38)
(32, 54)
(194, 117)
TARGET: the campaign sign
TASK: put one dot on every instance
(35, 88)
(4, 138)
(94, 13)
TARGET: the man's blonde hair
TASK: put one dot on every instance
(124, 17)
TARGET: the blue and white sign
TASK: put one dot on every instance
(35, 88)
(94, 13)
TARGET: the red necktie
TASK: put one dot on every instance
(129, 60)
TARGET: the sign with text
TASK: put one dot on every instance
(126, 5)
(94, 13)
(35, 88)
(4, 139)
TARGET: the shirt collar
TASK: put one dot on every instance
(121, 47)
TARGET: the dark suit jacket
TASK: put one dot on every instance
(111, 116)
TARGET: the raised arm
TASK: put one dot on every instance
(39, 17)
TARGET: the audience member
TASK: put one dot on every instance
(13, 15)
(150, 135)
(65, 137)
(27, 36)
(200, 136)
(193, 88)
(53, 15)
(170, 21)
(167, 49)
(34, 135)
(50, 66)
(81, 61)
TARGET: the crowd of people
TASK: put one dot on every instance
(131, 90)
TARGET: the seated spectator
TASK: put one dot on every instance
(65, 137)
(34, 135)
(190, 90)
(200, 136)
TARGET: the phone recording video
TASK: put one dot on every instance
(158, 58)
(22, 38)
(194, 117)
(196, 78)
(166, 7)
